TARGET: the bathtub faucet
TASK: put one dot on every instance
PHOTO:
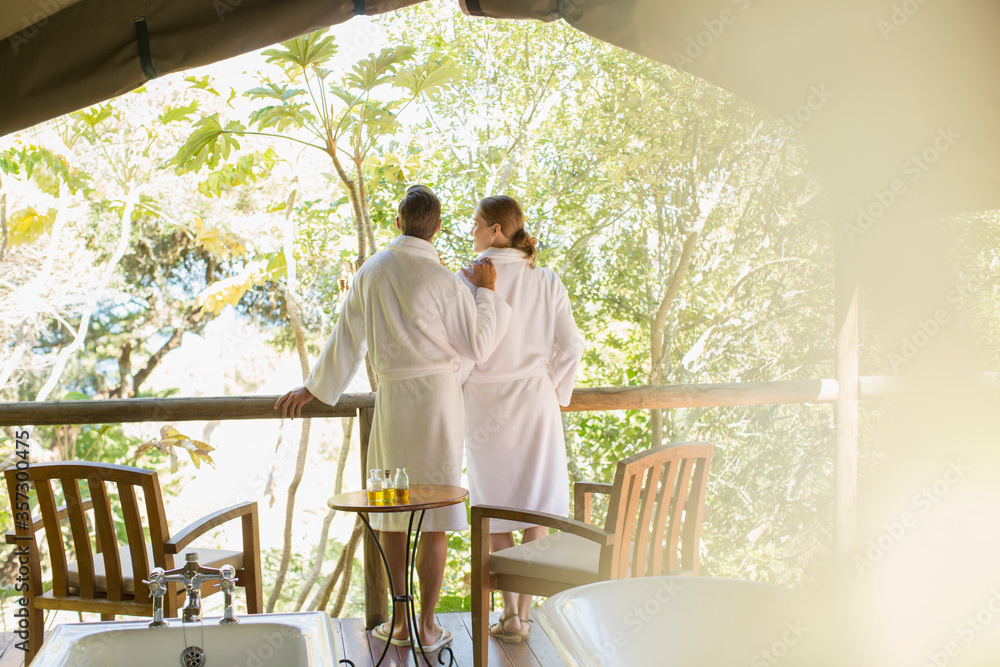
(192, 575)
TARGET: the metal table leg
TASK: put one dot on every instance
(392, 591)
(411, 611)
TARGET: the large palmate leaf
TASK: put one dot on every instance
(209, 144)
(219, 242)
(378, 68)
(47, 169)
(247, 169)
(170, 440)
(306, 51)
(271, 90)
(435, 73)
(28, 224)
(282, 117)
(218, 295)
(177, 113)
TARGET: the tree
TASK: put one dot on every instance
(345, 118)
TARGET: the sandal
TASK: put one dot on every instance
(379, 632)
(497, 630)
(527, 632)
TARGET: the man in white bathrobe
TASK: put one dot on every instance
(417, 321)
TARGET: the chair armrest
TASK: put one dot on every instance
(482, 513)
(581, 498)
(187, 535)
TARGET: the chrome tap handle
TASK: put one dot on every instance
(227, 582)
(157, 589)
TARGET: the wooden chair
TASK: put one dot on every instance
(653, 527)
(112, 584)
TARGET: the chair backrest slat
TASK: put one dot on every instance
(81, 536)
(667, 486)
(643, 528)
(104, 526)
(677, 503)
(136, 539)
(693, 514)
(158, 530)
(653, 504)
(53, 537)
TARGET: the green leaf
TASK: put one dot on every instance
(178, 113)
(303, 52)
(451, 603)
(272, 90)
(277, 266)
(76, 396)
(209, 144)
(377, 69)
(281, 117)
(247, 169)
(93, 116)
(203, 83)
(28, 224)
(428, 76)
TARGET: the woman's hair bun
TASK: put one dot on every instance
(506, 212)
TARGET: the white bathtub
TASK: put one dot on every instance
(683, 622)
(304, 639)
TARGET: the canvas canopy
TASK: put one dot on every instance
(881, 90)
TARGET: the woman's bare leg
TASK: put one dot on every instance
(523, 600)
(500, 541)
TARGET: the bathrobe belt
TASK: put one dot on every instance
(537, 371)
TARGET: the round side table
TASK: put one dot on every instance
(423, 497)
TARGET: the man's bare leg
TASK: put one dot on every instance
(394, 545)
(431, 558)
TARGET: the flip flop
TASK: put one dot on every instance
(445, 638)
(379, 633)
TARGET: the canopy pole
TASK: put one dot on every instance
(847, 328)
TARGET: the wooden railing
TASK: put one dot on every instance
(171, 410)
(120, 411)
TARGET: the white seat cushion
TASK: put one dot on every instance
(561, 557)
(206, 557)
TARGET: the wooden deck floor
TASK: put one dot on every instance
(363, 649)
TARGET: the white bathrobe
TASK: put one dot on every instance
(515, 449)
(419, 322)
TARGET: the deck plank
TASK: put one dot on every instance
(356, 646)
(518, 654)
(541, 645)
(496, 657)
(461, 642)
(10, 655)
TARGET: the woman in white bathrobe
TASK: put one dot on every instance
(515, 450)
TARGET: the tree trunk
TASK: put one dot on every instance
(300, 461)
(354, 196)
(81, 333)
(363, 198)
(338, 487)
(344, 566)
